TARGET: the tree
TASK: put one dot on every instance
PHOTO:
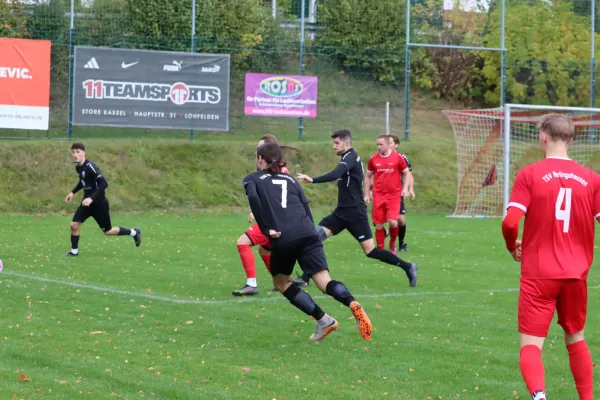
(451, 73)
(365, 36)
(548, 49)
(12, 21)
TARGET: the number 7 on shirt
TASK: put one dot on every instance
(283, 184)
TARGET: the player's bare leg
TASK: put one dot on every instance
(402, 233)
(136, 233)
(74, 239)
(340, 292)
(393, 223)
(302, 300)
(244, 246)
(580, 361)
(324, 234)
(385, 256)
(531, 365)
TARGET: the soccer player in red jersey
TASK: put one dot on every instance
(388, 170)
(254, 237)
(559, 199)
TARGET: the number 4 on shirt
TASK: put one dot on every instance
(564, 214)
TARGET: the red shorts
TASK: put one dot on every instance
(386, 209)
(539, 298)
(257, 238)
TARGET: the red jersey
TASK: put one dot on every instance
(560, 199)
(388, 174)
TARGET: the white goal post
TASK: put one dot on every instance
(492, 144)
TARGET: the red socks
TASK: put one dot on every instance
(580, 361)
(247, 260)
(532, 368)
(393, 236)
(380, 238)
(267, 261)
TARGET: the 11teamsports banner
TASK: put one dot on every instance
(24, 83)
(151, 89)
(281, 95)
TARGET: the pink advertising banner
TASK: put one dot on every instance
(281, 95)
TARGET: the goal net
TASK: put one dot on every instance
(494, 144)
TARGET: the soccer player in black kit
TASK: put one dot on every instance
(94, 204)
(351, 210)
(283, 215)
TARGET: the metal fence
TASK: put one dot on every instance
(493, 51)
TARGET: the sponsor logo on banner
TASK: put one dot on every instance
(281, 86)
(214, 69)
(151, 89)
(24, 83)
(178, 93)
(176, 66)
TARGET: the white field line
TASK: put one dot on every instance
(247, 300)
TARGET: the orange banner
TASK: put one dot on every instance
(24, 83)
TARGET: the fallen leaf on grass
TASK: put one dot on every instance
(96, 332)
(23, 378)
(190, 322)
(245, 369)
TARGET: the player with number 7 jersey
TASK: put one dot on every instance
(560, 200)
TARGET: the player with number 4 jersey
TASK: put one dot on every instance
(560, 200)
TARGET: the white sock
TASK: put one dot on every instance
(74, 251)
(326, 320)
(133, 232)
(251, 282)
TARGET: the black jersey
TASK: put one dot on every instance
(91, 181)
(350, 176)
(279, 203)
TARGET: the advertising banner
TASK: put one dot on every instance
(24, 83)
(151, 89)
(281, 95)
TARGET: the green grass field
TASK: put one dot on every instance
(159, 322)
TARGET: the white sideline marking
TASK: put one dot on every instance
(248, 300)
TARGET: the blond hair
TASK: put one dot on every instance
(558, 127)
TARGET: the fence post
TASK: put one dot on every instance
(193, 45)
(593, 58)
(407, 74)
(387, 117)
(71, 68)
(302, 5)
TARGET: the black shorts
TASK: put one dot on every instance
(355, 221)
(402, 208)
(99, 210)
(308, 252)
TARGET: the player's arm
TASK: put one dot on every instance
(95, 175)
(520, 199)
(76, 189)
(412, 178)
(342, 168)
(368, 186)
(597, 199)
(510, 230)
(256, 205)
(406, 182)
(406, 176)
